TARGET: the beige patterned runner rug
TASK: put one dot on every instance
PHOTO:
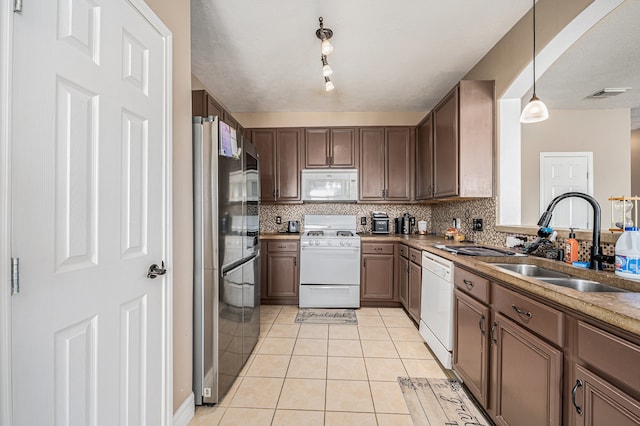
(440, 402)
(326, 316)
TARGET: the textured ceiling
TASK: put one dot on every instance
(259, 56)
(263, 56)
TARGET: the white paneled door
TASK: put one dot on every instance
(562, 172)
(90, 194)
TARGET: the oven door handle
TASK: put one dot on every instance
(339, 248)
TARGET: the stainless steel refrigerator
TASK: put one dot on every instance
(226, 290)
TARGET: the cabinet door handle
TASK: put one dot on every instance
(522, 313)
(573, 396)
(492, 333)
(468, 283)
(274, 193)
(364, 263)
(295, 261)
(481, 325)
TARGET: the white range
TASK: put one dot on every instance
(330, 262)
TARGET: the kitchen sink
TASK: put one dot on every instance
(531, 270)
(557, 278)
(474, 250)
(581, 285)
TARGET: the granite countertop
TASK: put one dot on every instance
(279, 236)
(621, 310)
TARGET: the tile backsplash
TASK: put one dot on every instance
(269, 211)
(438, 216)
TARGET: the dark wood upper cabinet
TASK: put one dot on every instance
(399, 167)
(288, 164)
(372, 164)
(445, 146)
(265, 142)
(463, 139)
(386, 157)
(279, 151)
(424, 159)
(330, 147)
(204, 105)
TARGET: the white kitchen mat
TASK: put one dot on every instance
(326, 316)
(439, 402)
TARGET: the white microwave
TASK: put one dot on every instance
(330, 185)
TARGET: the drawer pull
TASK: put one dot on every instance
(377, 248)
(492, 333)
(573, 396)
(413, 257)
(521, 312)
(281, 246)
(481, 325)
(468, 283)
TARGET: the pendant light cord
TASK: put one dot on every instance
(534, 48)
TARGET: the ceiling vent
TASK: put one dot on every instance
(609, 92)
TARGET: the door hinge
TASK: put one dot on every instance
(15, 275)
(17, 6)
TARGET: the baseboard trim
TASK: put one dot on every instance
(185, 412)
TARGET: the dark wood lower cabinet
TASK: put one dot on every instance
(376, 277)
(280, 275)
(415, 291)
(471, 344)
(598, 402)
(526, 378)
(403, 281)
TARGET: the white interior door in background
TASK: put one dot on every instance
(562, 172)
(90, 201)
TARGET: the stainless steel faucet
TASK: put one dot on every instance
(597, 258)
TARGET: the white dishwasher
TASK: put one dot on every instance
(436, 308)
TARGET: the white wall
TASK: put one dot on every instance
(176, 14)
(635, 163)
(603, 132)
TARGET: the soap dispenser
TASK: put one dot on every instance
(571, 248)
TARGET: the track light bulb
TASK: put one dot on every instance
(326, 46)
(328, 85)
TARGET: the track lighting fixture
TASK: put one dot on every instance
(324, 34)
(535, 110)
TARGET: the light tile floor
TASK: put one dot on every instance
(309, 374)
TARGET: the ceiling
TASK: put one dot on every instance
(264, 56)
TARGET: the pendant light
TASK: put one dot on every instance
(535, 111)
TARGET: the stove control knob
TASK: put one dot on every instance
(349, 243)
(317, 242)
(342, 243)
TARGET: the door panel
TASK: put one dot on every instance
(424, 160)
(89, 206)
(560, 173)
(265, 142)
